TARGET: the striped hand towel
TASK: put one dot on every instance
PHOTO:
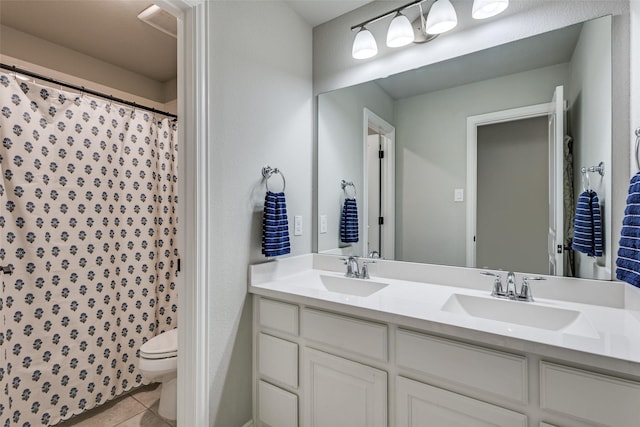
(275, 226)
(349, 221)
(628, 261)
(587, 230)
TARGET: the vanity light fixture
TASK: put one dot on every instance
(440, 18)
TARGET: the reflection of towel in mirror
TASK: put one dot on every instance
(275, 226)
(349, 221)
(628, 261)
(587, 229)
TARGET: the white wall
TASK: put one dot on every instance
(260, 112)
(334, 68)
(431, 159)
(340, 153)
(589, 98)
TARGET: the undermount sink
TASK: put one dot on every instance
(349, 286)
(521, 313)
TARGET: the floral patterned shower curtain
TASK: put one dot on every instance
(88, 222)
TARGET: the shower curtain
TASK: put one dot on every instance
(88, 223)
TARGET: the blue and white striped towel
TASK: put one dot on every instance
(275, 226)
(349, 221)
(587, 229)
(628, 261)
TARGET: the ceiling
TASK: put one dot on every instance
(317, 12)
(107, 30)
(110, 31)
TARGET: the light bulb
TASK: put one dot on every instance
(400, 31)
(487, 8)
(441, 18)
(364, 45)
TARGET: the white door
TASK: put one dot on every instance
(342, 393)
(556, 184)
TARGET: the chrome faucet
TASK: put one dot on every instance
(353, 270)
(511, 291)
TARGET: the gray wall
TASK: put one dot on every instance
(513, 194)
(30, 49)
(340, 153)
(260, 113)
(431, 158)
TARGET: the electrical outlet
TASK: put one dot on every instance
(458, 195)
(297, 225)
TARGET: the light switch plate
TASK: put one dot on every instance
(323, 224)
(297, 225)
(458, 195)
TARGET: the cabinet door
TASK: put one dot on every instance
(422, 405)
(342, 393)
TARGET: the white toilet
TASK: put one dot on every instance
(159, 363)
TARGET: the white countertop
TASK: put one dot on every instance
(613, 338)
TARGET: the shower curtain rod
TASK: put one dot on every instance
(82, 89)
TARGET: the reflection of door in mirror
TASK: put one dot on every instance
(375, 220)
(379, 201)
(519, 189)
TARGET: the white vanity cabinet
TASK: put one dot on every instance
(325, 367)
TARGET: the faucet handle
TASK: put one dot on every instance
(364, 274)
(525, 291)
(497, 283)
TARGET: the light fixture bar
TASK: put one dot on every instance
(384, 15)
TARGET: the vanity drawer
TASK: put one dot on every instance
(276, 407)
(278, 316)
(488, 371)
(355, 336)
(278, 360)
(587, 396)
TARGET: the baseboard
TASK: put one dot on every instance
(248, 424)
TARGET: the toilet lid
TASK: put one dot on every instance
(161, 346)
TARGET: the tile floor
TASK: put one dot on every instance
(137, 408)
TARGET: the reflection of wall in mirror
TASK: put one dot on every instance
(340, 152)
(431, 158)
(431, 145)
(589, 98)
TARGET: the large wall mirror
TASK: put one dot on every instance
(476, 161)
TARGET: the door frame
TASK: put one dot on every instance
(194, 58)
(473, 122)
(388, 199)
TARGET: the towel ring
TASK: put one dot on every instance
(268, 171)
(344, 184)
